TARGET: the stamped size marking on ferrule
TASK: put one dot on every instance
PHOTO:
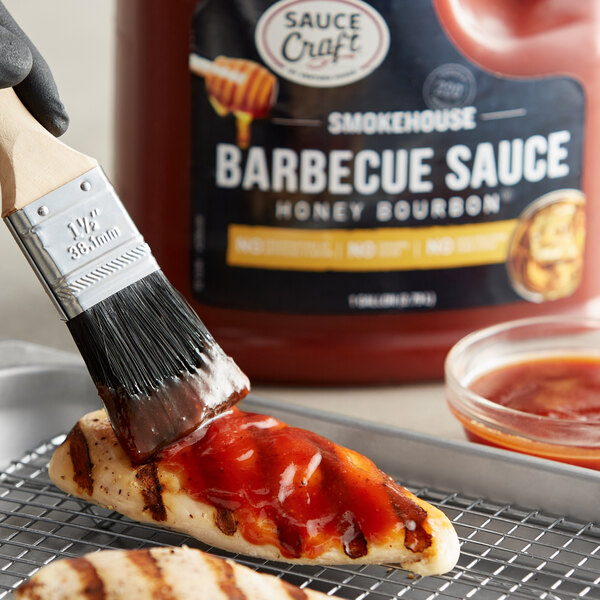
(88, 235)
(82, 243)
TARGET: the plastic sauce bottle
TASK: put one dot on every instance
(342, 189)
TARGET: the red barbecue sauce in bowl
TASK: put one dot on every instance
(532, 386)
(559, 388)
(292, 488)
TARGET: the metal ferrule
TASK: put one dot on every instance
(82, 243)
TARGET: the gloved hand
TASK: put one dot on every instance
(23, 67)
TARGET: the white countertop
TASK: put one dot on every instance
(76, 38)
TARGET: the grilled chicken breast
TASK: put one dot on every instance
(156, 574)
(251, 484)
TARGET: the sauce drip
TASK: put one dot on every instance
(560, 388)
(293, 488)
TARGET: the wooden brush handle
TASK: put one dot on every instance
(32, 161)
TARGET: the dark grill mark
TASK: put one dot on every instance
(355, 544)
(225, 521)
(293, 592)
(290, 538)
(151, 491)
(288, 533)
(92, 586)
(153, 574)
(29, 589)
(80, 458)
(225, 578)
(416, 538)
(353, 539)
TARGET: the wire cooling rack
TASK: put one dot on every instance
(507, 551)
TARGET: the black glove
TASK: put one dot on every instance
(22, 67)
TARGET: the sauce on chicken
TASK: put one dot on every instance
(292, 488)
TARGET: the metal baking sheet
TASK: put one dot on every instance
(41, 390)
(529, 528)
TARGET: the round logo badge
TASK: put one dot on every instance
(448, 86)
(322, 43)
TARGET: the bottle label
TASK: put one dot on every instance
(347, 158)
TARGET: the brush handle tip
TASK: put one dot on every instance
(32, 161)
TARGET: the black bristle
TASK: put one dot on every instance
(141, 336)
(158, 370)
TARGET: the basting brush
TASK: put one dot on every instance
(157, 369)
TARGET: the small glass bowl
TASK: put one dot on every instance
(486, 422)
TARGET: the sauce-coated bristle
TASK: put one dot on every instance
(156, 366)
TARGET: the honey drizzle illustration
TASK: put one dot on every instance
(238, 86)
